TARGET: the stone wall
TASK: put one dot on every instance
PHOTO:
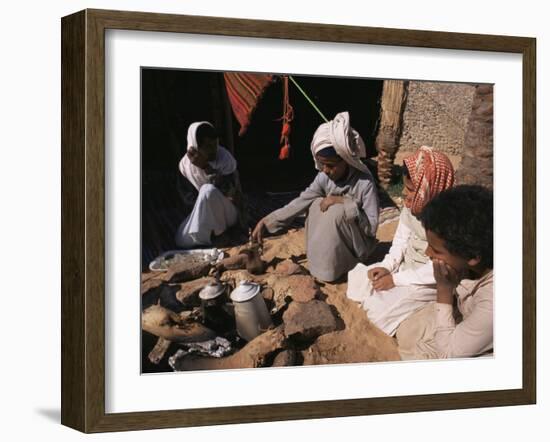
(477, 160)
(436, 114)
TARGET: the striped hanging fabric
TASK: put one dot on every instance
(245, 91)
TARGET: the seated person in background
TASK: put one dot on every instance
(212, 170)
(459, 228)
(403, 282)
(342, 203)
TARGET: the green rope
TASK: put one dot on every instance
(308, 99)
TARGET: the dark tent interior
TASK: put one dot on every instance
(172, 99)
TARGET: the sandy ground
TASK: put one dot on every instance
(359, 340)
(356, 339)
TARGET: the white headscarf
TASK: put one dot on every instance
(346, 141)
(192, 133)
(224, 164)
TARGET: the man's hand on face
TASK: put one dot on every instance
(445, 275)
(197, 158)
(446, 279)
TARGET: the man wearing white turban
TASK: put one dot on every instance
(342, 203)
(212, 170)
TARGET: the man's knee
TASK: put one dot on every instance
(316, 203)
(339, 212)
(334, 215)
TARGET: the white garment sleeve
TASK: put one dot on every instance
(422, 275)
(195, 175)
(225, 163)
(473, 336)
(183, 166)
(393, 258)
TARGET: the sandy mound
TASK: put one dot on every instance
(350, 338)
(360, 340)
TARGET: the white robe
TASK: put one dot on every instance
(412, 273)
(213, 213)
(342, 236)
(224, 164)
(345, 234)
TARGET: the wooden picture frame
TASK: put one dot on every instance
(83, 220)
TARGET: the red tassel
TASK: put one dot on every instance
(284, 153)
(286, 130)
(288, 116)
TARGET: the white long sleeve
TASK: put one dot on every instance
(474, 335)
(394, 257)
(422, 275)
(419, 273)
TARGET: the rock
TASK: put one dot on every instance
(159, 350)
(300, 288)
(287, 267)
(234, 277)
(167, 298)
(255, 353)
(150, 285)
(146, 276)
(151, 291)
(252, 355)
(303, 288)
(244, 257)
(268, 293)
(477, 163)
(279, 288)
(191, 315)
(285, 358)
(232, 263)
(357, 338)
(308, 320)
(188, 294)
(166, 324)
(184, 271)
(485, 89)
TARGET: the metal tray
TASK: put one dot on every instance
(164, 261)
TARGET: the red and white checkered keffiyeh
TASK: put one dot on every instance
(431, 172)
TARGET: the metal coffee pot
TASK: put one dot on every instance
(214, 309)
(251, 314)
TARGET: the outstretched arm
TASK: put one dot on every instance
(282, 217)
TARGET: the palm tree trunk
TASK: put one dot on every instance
(394, 94)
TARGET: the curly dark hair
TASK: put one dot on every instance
(463, 217)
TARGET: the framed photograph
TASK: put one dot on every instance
(201, 281)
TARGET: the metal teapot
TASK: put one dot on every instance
(214, 309)
(251, 314)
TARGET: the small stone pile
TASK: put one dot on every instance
(171, 311)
